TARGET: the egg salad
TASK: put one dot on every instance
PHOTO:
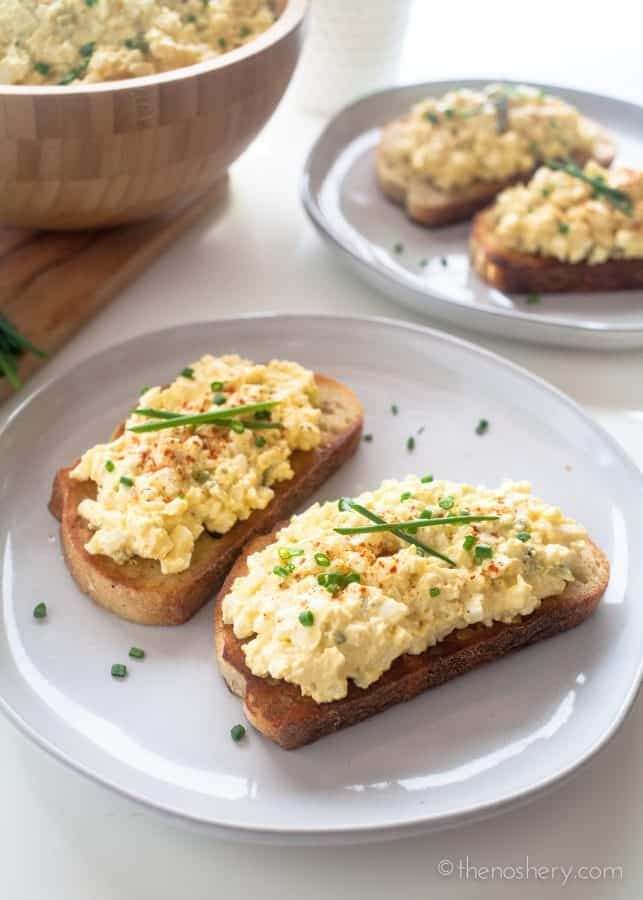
(69, 41)
(319, 609)
(157, 491)
(591, 216)
(489, 135)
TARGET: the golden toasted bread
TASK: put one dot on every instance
(138, 590)
(431, 206)
(280, 711)
(514, 272)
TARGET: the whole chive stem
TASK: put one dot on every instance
(619, 199)
(398, 532)
(415, 523)
(179, 420)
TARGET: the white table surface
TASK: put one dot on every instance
(63, 838)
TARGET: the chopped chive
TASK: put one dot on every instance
(143, 390)
(237, 733)
(444, 261)
(563, 227)
(188, 372)
(482, 426)
(137, 653)
(394, 409)
(446, 502)
(88, 49)
(260, 441)
(40, 611)
(216, 386)
(423, 263)
(119, 670)
(483, 551)
(219, 399)
(523, 536)
(202, 476)
(431, 117)
(533, 298)
(284, 571)
(322, 560)
(42, 68)
(263, 414)
(426, 513)
(469, 542)
(109, 465)
(290, 552)
(435, 592)
(426, 479)
(398, 248)
(405, 496)
(368, 438)
(410, 444)
(237, 427)
(125, 481)
(223, 43)
(306, 618)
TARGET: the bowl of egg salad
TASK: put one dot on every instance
(114, 111)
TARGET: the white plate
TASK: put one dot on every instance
(344, 202)
(478, 744)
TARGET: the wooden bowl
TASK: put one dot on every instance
(97, 155)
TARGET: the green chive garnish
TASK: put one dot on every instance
(127, 482)
(469, 542)
(394, 409)
(237, 733)
(405, 496)
(398, 248)
(334, 582)
(119, 670)
(427, 479)
(424, 522)
(617, 198)
(137, 653)
(483, 551)
(222, 418)
(40, 611)
(446, 502)
(482, 427)
(290, 552)
(368, 438)
(306, 618)
(188, 372)
(42, 68)
(435, 592)
(410, 444)
(109, 465)
(523, 536)
(533, 298)
(346, 503)
(284, 571)
(202, 476)
(322, 560)
(260, 441)
(563, 228)
(219, 399)
(216, 386)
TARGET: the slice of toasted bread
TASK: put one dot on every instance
(515, 272)
(283, 714)
(138, 590)
(428, 205)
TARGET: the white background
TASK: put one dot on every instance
(62, 838)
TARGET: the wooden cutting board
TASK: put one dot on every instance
(52, 283)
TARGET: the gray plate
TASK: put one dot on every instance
(479, 744)
(344, 202)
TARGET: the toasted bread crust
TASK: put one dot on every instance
(433, 207)
(515, 272)
(281, 713)
(138, 591)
